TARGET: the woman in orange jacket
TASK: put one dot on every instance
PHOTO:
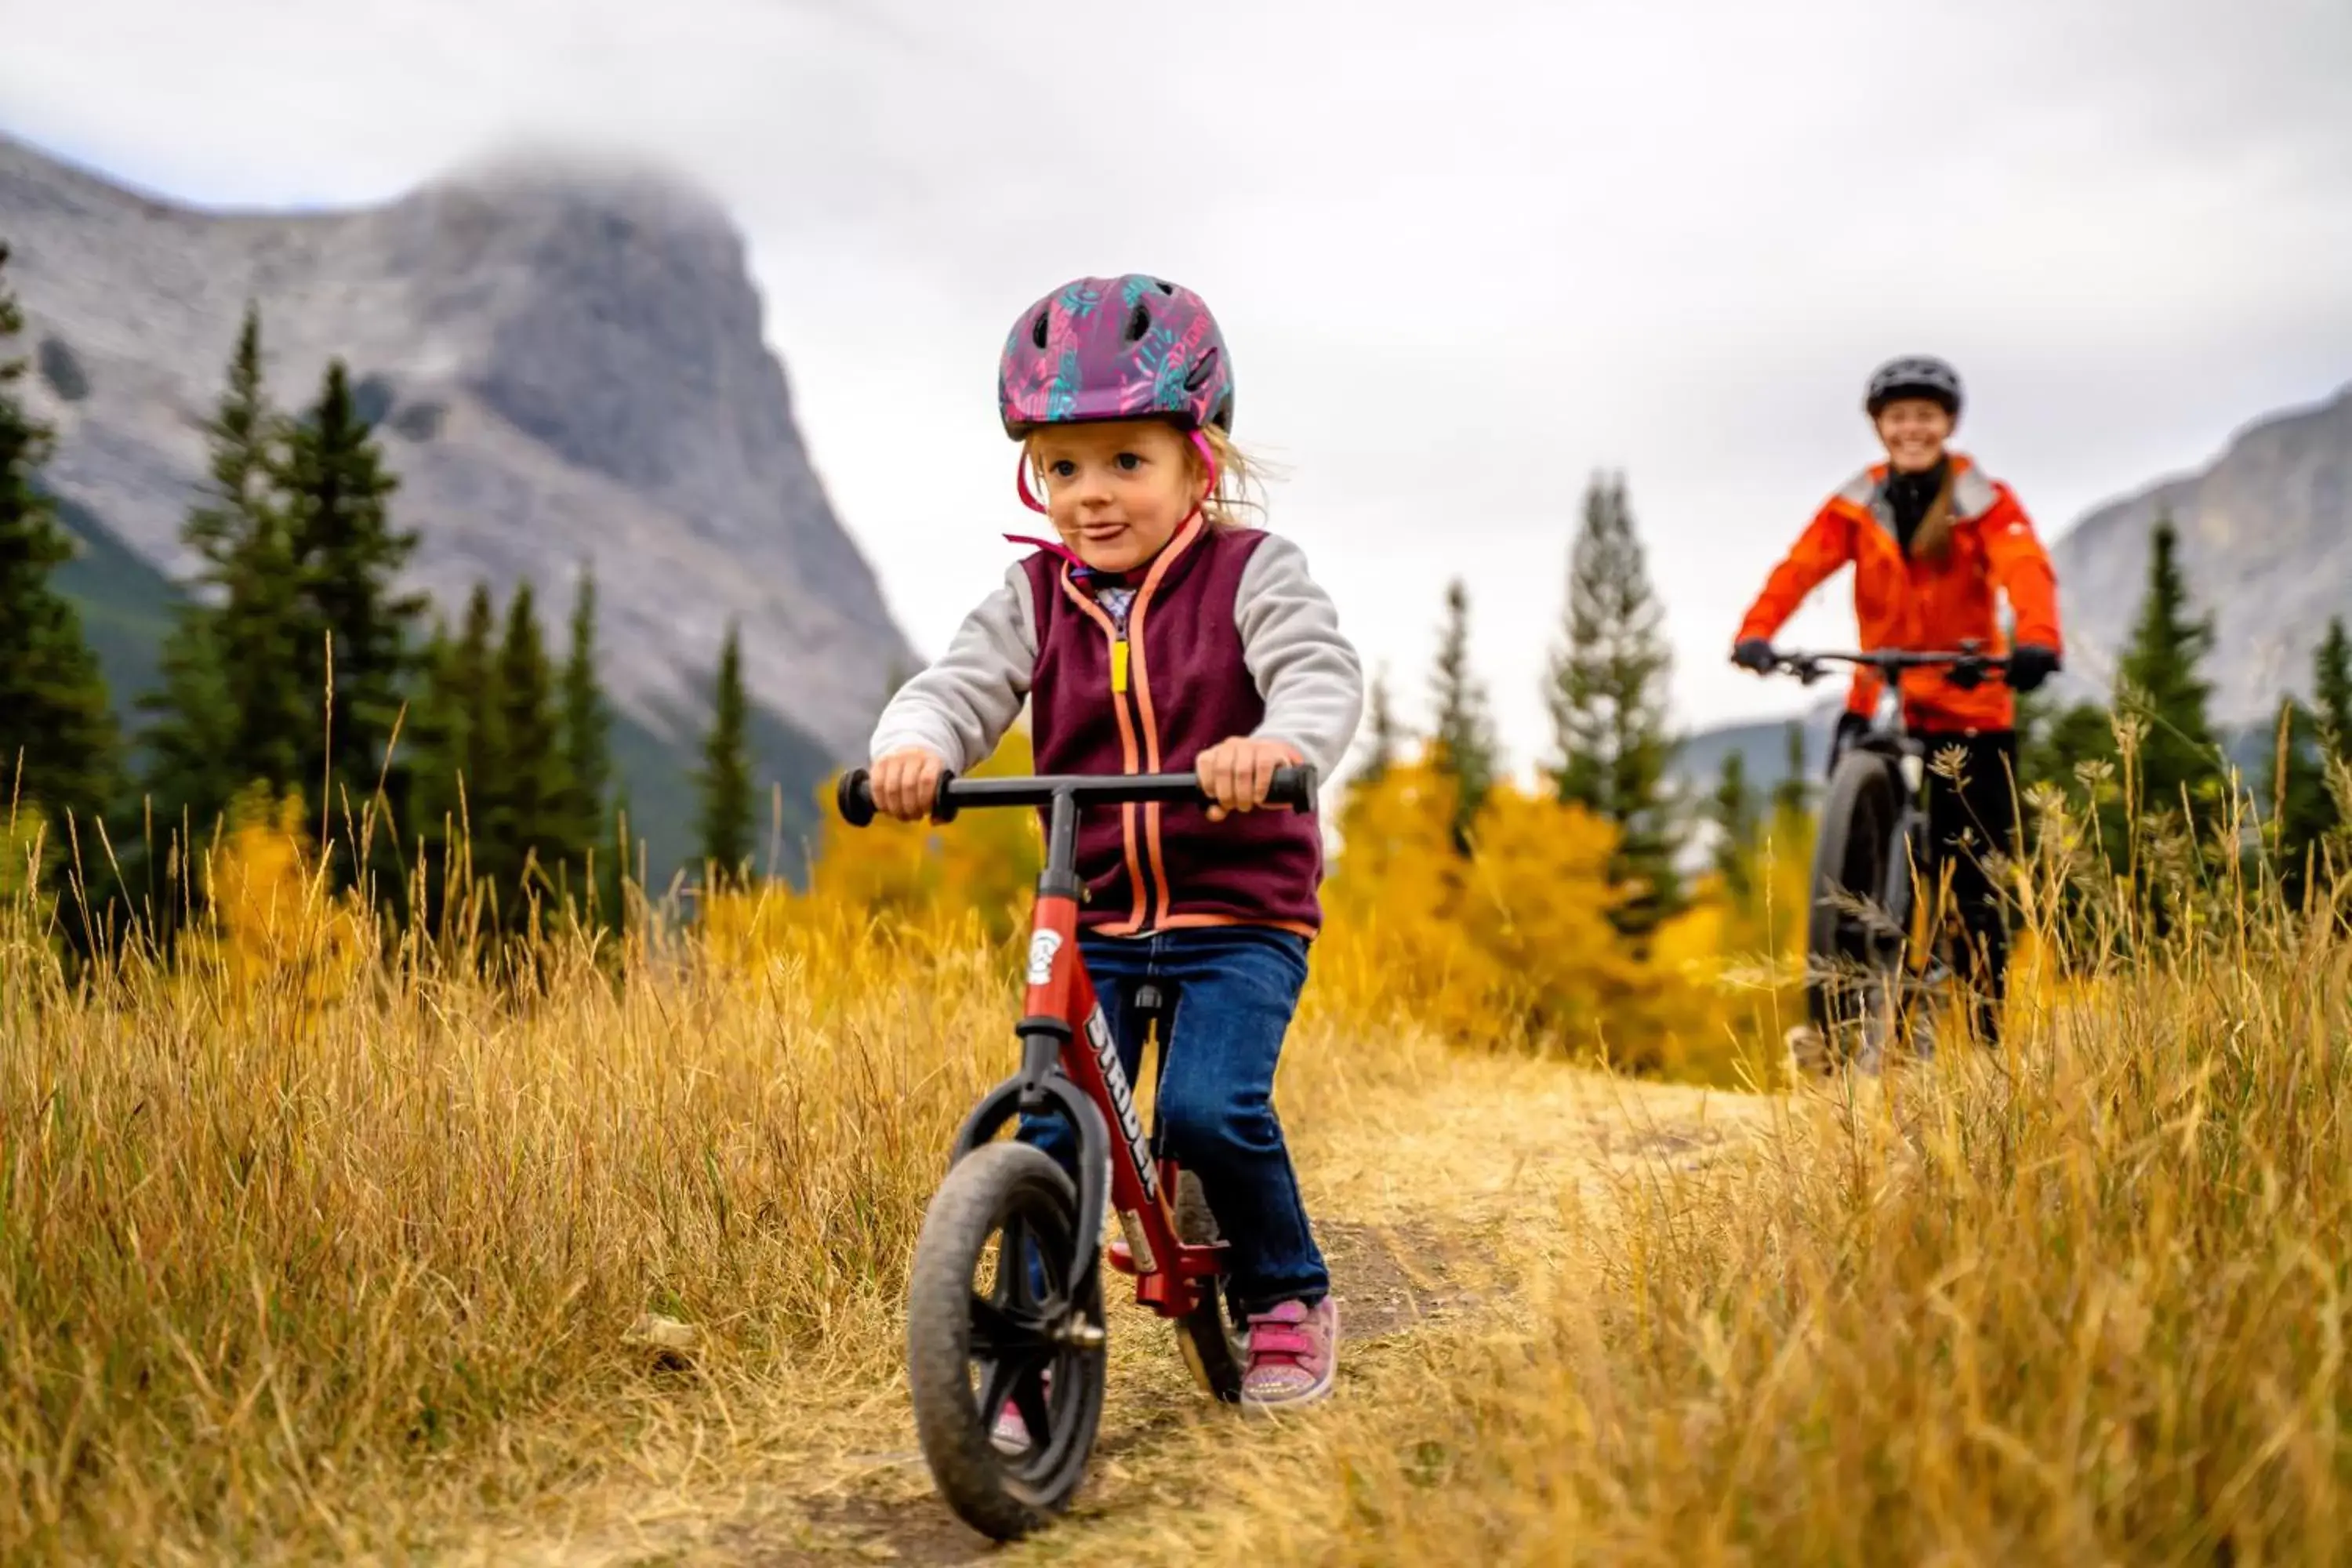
(1930, 537)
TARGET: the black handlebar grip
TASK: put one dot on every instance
(853, 798)
(1295, 788)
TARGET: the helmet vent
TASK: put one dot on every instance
(1203, 369)
(1164, 286)
(1139, 322)
(1038, 332)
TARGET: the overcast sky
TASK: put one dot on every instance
(1464, 253)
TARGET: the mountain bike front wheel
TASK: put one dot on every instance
(1853, 942)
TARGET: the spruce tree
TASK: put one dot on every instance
(232, 711)
(2160, 685)
(1732, 809)
(1608, 701)
(2312, 747)
(58, 743)
(1463, 745)
(724, 780)
(587, 730)
(1792, 797)
(436, 749)
(336, 493)
(615, 867)
(1383, 736)
(477, 708)
(2304, 812)
(531, 820)
(191, 768)
(2331, 692)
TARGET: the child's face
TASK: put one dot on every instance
(1118, 491)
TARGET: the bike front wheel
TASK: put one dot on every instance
(995, 1320)
(1853, 942)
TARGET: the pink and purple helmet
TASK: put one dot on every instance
(1115, 348)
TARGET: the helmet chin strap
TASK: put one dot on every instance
(1208, 456)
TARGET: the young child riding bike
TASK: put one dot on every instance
(1158, 633)
(1930, 536)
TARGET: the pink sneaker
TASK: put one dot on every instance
(1010, 1435)
(1293, 1353)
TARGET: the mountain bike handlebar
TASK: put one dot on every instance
(1293, 786)
(1968, 667)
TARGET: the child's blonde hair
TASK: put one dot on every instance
(1241, 479)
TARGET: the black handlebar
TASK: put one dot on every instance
(1293, 786)
(1968, 666)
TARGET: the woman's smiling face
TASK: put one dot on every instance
(1913, 430)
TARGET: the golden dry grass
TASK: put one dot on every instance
(354, 1260)
(2086, 1304)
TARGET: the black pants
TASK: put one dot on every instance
(1973, 825)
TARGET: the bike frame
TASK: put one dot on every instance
(1069, 1059)
(1890, 737)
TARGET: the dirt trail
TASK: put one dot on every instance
(1432, 1203)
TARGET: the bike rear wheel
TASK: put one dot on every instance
(1853, 942)
(1213, 1345)
(990, 1293)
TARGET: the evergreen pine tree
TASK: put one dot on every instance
(58, 743)
(2313, 744)
(2304, 812)
(2331, 692)
(532, 819)
(1792, 797)
(2160, 686)
(190, 771)
(477, 706)
(615, 867)
(587, 731)
(1463, 741)
(232, 710)
(1608, 698)
(1383, 736)
(337, 492)
(436, 749)
(1732, 809)
(724, 780)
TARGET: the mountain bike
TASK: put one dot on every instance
(1874, 969)
(1006, 1282)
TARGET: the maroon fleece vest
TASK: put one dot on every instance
(1152, 702)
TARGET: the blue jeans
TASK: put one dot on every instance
(1229, 992)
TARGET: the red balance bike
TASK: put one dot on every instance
(1006, 1302)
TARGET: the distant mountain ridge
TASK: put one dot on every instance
(2266, 545)
(568, 365)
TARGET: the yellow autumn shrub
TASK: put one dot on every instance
(274, 926)
(1511, 943)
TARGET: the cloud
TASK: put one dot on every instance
(1465, 255)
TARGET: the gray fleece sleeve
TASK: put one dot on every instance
(960, 707)
(1312, 680)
